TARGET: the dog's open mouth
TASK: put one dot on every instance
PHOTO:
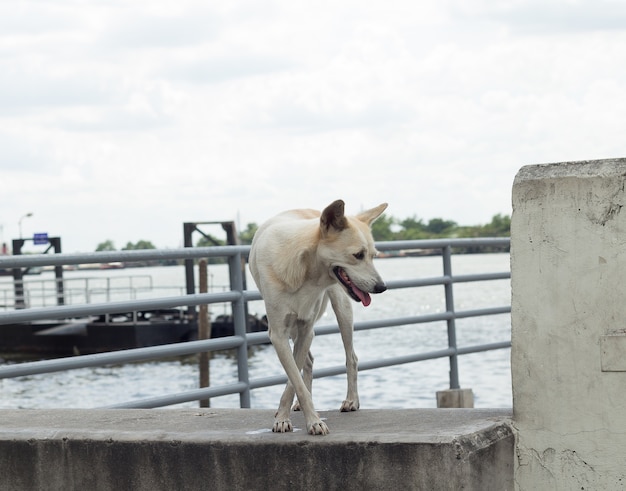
(355, 292)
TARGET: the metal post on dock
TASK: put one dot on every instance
(240, 322)
(455, 397)
(447, 272)
(18, 277)
(18, 273)
(188, 229)
(55, 242)
(204, 331)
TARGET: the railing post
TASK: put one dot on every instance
(240, 323)
(18, 277)
(188, 229)
(204, 331)
(454, 363)
(58, 271)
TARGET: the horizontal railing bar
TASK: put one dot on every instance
(229, 342)
(179, 398)
(61, 259)
(119, 357)
(484, 347)
(399, 360)
(33, 260)
(254, 338)
(363, 365)
(229, 389)
(481, 277)
(444, 280)
(398, 245)
(402, 321)
(270, 381)
(418, 319)
(462, 314)
(204, 393)
(440, 280)
(417, 282)
(83, 310)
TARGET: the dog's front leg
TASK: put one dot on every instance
(292, 364)
(282, 418)
(343, 311)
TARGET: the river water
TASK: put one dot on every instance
(405, 386)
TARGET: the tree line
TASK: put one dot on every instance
(109, 245)
(413, 228)
(386, 228)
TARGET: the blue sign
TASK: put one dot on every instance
(40, 239)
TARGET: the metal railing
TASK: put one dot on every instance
(238, 297)
(83, 289)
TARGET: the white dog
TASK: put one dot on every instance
(300, 259)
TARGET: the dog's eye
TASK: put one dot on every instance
(359, 255)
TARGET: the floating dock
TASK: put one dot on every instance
(111, 332)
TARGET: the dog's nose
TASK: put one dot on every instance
(380, 287)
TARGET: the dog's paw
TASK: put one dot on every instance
(348, 405)
(318, 428)
(296, 406)
(282, 426)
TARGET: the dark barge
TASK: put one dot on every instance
(111, 332)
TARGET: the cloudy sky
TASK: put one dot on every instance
(122, 120)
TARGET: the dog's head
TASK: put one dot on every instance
(347, 249)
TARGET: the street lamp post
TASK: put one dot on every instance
(20, 222)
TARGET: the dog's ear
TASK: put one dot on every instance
(333, 218)
(369, 216)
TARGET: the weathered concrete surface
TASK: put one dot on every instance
(171, 449)
(455, 398)
(568, 313)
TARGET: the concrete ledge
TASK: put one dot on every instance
(470, 449)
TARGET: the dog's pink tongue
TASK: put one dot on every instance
(363, 296)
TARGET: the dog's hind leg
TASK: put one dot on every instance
(343, 310)
(307, 376)
(307, 369)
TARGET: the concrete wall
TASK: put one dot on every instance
(568, 267)
(227, 449)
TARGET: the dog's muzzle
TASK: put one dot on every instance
(354, 291)
(379, 288)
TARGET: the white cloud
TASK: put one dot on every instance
(121, 121)
(554, 17)
(157, 26)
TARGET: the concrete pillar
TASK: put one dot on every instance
(568, 357)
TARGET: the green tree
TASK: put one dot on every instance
(500, 226)
(381, 228)
(209, 241)
(140, 244)
(246, 235)
(107, 245)
(411, 229)
(412, 223)
(439, 226)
